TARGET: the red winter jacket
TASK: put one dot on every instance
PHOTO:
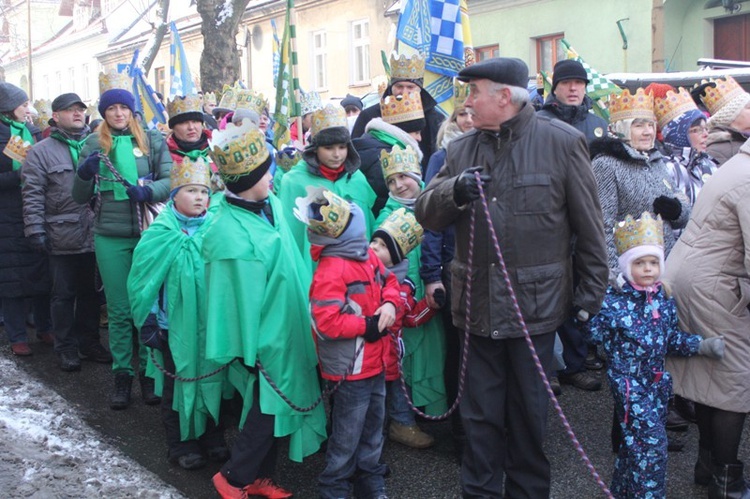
(342, 294)
(412, 313)
(174, 149)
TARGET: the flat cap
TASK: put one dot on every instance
(64, 101)
(351, 100)
(508, 70)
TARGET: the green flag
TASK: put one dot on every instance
(599, 85)
(286, 106)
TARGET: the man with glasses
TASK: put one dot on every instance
(60, 227)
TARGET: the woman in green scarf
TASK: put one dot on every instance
(135, 154)
(23, 271)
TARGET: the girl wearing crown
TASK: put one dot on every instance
(729, 124)
(137, 155)
(637, 327)
(23, 270)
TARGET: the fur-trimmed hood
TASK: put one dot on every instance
(402, 136)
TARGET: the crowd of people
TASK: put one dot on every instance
(331, 284)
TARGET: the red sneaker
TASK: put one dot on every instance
(21, 349)
(265, 487)
(227, 490)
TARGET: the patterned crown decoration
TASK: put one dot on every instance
(190, 172)
(403, 227)
(327, 117)
(725, 90)
(44, 108)
(382, 87)
(252, 100)
(310, 102)
(209, 98)
(644, 231)
(229, 97)
(185, 104)
(287, 161)
(626, 106)
(400, 161)
(112, 79)
(407, 68)
(460, 93)
(238, 150)
(672, 105)
(17, 148)
(401, 108)
(323, 212)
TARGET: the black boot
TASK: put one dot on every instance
(728, 482)
(702, 475)
(121, 396)
(147, 390)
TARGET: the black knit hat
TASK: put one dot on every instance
(568, 69)
(412, 125)
(332, 135)
(183, 117)
(11, 97)
(245, 182)
(393, 249)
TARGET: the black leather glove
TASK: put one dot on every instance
(466, 190)
(151, 334)
(439, 296)
(89, 167)
(140, 193)
(668, 208)
(372, 333)
(38, 243)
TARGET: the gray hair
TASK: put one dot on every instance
(518, 95)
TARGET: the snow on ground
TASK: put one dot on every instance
(47, 451)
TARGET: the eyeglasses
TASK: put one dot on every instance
(698, 129)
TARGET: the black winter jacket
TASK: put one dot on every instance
(579, 117)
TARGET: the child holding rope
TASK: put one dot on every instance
(167, 291)
(637, 326)
(353, 300)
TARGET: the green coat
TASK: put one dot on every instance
(165, 255)
(424, 346)
(352, 187)
(118, 218)
(258, 311)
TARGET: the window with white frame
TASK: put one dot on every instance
(72, 79)
(58, 83)
(319, 60)
(360, 52)
(85, 92)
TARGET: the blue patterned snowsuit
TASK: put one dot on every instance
(638, 329)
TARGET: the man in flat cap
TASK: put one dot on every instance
(63, 229)
(542, 197)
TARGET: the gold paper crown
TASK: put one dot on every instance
(626, 106)
(400, 161)
(185, 104)
(324, 212)
(209, 98)
(672, 105)
(382, 88)
(398, 109)
(328, 117)
(229, 97)
(403, 227)
(238, 150)
(250, 99)
(44, 108)
(411, 68)
(460, 93)
(190, 172)
(16, 148)
(310, 102)
(286, 161)
(717, 97)
(644, 231)
(112, 79)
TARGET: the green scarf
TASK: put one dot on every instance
(73, 145)
(123, 160)
(387, 138)
(20, 130)
(195, 154)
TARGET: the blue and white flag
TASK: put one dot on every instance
(179, 72)
(276, 52)
(146, 102)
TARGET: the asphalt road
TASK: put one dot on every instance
(417, 474)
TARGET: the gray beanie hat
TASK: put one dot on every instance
(11, 97)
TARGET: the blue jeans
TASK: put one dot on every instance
(398, 407)
(356, 440)
(14, 313)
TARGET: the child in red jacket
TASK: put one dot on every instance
(353, 300)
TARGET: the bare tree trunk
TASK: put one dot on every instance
(148, 60)
(220, 60)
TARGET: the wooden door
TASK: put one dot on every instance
(732, 38)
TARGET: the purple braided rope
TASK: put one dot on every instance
(527, 336)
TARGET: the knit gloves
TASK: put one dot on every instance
(668, 208)
(372, 333)
(466, 188)
(89, 167)
(140, 193)
(151, 334)
(712, 347)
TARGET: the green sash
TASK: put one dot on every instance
(123, 160)
(387, 138)
(195, 154)
(18, 129)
